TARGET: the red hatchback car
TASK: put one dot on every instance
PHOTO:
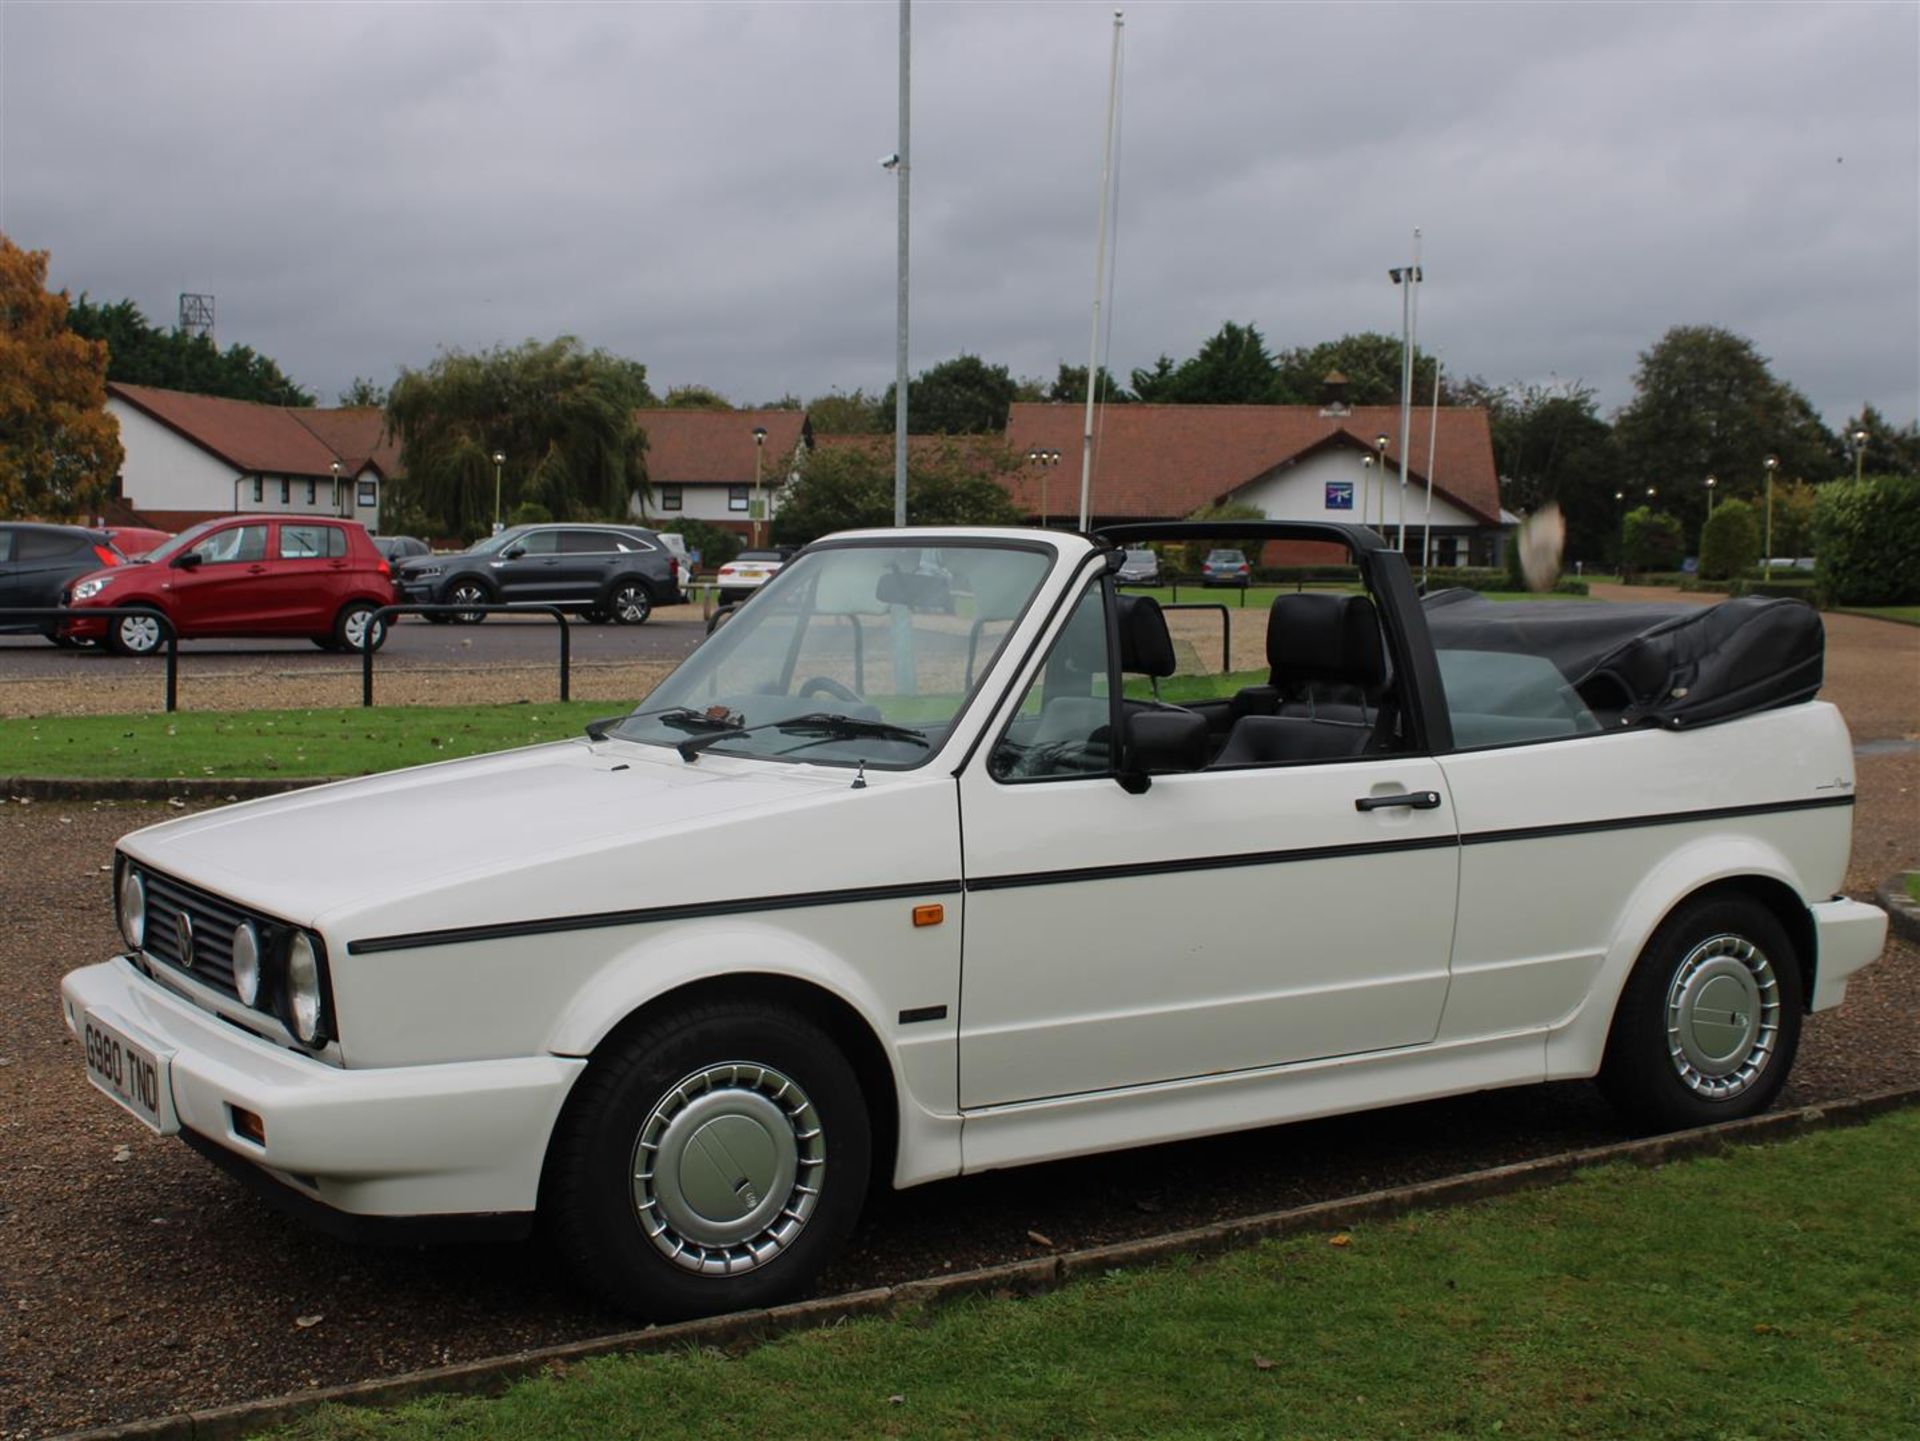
(244, 575)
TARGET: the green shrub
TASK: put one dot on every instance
(1654, 540)
(716, 545)
(1729, 542)
(1867, 537)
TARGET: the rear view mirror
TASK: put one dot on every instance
(910, 588)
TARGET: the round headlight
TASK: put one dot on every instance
(246, 962)
(133, 908)
(88, 589)
(303, 988)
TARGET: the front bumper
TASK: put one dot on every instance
(458, 1139)
(1848, 935)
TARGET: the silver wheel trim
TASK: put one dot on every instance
(354, 630)
(728, 1167)
(1723, 1016)
(468, 594)
(139, 632)
(630, 603)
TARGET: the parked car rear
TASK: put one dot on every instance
(604, 572)
(38, 562)
(244, 575)
(740, 577)
(134, 541)
(1226, 567)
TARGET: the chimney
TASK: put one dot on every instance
(1333, 394)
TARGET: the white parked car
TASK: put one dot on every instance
(742, 576)
(714, 975)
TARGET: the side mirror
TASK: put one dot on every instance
(1161, 740)
(188, 560)
(513, 552)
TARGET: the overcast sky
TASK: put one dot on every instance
(696, 185)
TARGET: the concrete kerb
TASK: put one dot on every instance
(1047, 1273)
(1903, 912)
(190, 788)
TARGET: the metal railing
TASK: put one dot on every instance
(379, 618)
(102, 612)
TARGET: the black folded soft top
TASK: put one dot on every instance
(1668, 665)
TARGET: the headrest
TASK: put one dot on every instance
(1145, 646)
(1325, 638)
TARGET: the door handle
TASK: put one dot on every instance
(1412, 800)
(256, 570)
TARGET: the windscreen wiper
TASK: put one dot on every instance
(678, 717)
(820, 723)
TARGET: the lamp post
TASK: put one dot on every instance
(337, 509)
(1620, 505)
(499, 459)
(1380, 445)
(1046, 460)
(1766, 567)
(759, 503)
(1366, 485)
(1712, 481)
(1859, 453)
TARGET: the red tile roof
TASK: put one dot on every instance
(693, 447)
(270, 439)
(1156, 462)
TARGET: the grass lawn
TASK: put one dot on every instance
(1905, 614)
(1769, 1293)
(288, 743)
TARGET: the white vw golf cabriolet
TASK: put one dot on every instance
(944, 856)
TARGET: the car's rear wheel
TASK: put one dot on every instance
(355, 627)
(714, 1160)
(596, 616)
(630, 601)
(469, 592)
(140, 633)
(1709, 1021)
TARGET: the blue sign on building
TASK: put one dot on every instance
(1339, 495)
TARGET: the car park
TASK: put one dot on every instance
(38, 562)
(1226, 567)
(603, 572)
(740, 577)
(246, 575)
(1139, 566)
(870, 889)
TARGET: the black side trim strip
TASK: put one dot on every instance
(923, 1013)
(1208, 863)
(1631, 823)
(606, 920)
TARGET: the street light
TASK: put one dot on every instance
(499, 459)
(1712, 481)
(1046, 460)
(336, 488)
(1766, 568)
(1380, 444)
(1859, 452)
(1620, 505)
(759, 505)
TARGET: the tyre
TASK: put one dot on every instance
(714, 1160)
(630, 601)
(141, 633)
(1709, 1021)
(440, 619)
(355, 627)
(469, 592)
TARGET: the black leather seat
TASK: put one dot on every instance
(1146, 646)
(1317, 645)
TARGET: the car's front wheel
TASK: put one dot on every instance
(1709, 1021)
(140, 633)
(630, 601)
(468, 592)
(714, 1160)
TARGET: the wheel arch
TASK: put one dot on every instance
(838, 1018)
(1710, 865)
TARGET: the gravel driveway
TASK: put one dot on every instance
(136, 1280)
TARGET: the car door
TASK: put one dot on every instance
(586, 561)
(530, 569)
(305, 583)
(1222, 920)
(215, 592)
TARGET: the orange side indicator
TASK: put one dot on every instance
(929, 915)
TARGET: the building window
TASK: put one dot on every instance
(369, 495)
(669, 497)
(286, 491)
(313, 491)
(737, 498)
(259, 490)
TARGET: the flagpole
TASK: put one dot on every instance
(1433, 440)
(1100, 274)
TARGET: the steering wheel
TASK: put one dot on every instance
(827, 685)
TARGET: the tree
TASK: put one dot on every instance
(837, 413)
(1706, 403)
(364, 392)
(1070, 387)
(962, 396)
(1232, 367)
(1651, 540)
(143, 354)
(949, 482)
(562, 415)
(59, 449)
(1370, 361)
(1550, 445)
(1729, 542)
(1195, 552)
(1888, 451)
(695, 397)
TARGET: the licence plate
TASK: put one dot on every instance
(137, 1076)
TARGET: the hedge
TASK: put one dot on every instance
(1867, 537)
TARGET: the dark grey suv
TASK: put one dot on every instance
(38, 562)
(603, 572)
